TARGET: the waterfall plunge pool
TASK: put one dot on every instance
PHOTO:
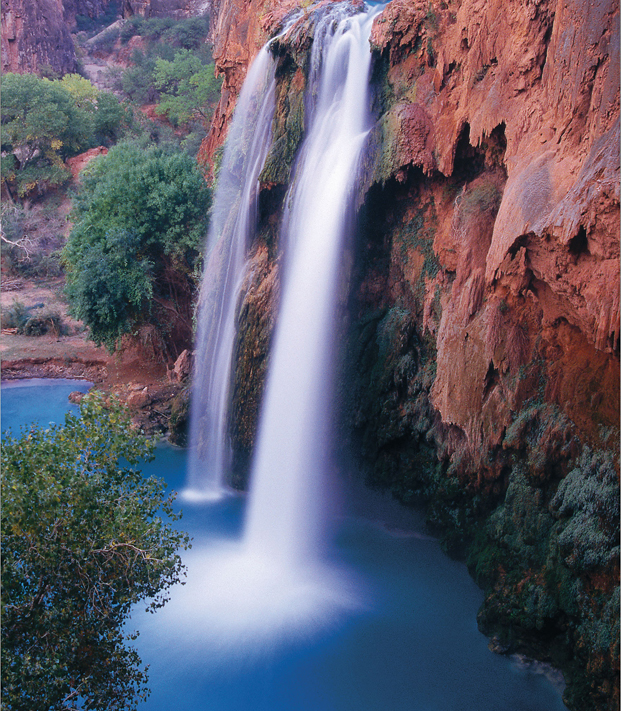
(399, 635)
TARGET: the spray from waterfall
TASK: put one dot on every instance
(233, 222)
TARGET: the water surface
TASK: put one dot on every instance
(406, 640)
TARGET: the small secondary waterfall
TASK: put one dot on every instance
(233, 221)
(284, 517)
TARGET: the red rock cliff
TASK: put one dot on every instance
(483, 366)
(541, 83)
(35, 34)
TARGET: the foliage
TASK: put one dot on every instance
(41, 126)
(29, 322)
(587, 501)
(173, 68)
(85, 538)
(139, 221)
(46, 121)
(188, 88)
(189, 33)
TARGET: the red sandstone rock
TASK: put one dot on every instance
(79, 162)
(536, 89)
(35, 36)
(138, 399)
(183, 367)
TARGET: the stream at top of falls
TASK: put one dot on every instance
(411, 644)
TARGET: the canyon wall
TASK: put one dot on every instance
(36, 34)
(36, 38)
(480, 335)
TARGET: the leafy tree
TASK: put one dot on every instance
(188, 88)
(84, 94)
(46, 121)
(84, 540)
(133, 254)
(41, 126)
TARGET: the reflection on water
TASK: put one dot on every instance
(401, 636)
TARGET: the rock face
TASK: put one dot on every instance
(35, 37)
(164, 8)
(481, 345)
(36, 33)
(87, 8)
(77, 164)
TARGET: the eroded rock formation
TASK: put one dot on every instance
(35, 38)
(481, 345)
(36, 33)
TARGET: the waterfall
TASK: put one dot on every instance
(284, 517)
(277, 580)
(233, 221)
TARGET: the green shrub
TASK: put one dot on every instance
(587, 503)
(84, 538)
(15, 316)
(139, 223)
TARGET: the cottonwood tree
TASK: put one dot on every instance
(85, 538)
(46, 121)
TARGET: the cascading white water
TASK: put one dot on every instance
(275, 581)
(284, 518)
(233, 221)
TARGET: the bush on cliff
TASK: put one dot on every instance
(85, 538)
(133, 255)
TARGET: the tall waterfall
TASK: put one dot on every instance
(284, 517)
(276, 579)
(233, 222)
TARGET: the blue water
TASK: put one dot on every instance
(39, 400)
(411, 644)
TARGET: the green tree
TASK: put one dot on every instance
(133, 255)
(46, 121)
(41, 126)
(84, 540)
(188, 89)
